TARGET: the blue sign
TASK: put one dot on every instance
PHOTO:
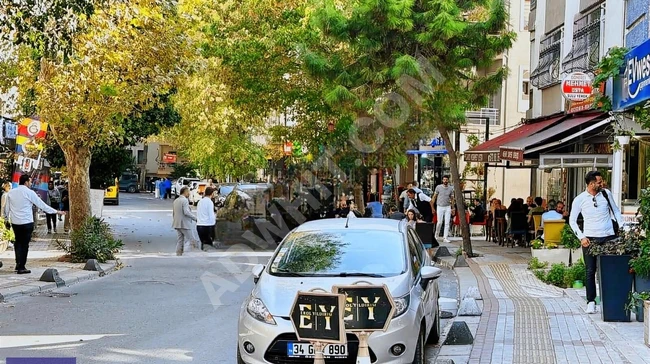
(437, 142)
(634, 88)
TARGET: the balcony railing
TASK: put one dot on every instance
(479, 117)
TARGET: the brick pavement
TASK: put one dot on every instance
(527, 321)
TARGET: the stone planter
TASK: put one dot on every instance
(639, 311)
(576, 254)
(641, 284)
(646, 322)
(97, 202)
(552, 256)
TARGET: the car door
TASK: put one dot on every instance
(429, 294)
(419, 294)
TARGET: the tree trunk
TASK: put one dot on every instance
(458, 192)
(78, 164)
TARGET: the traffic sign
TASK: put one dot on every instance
(577, 86)
(367, 308)
(318, 317)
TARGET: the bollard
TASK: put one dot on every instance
(363, 356)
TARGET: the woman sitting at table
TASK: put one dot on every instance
(413, 217)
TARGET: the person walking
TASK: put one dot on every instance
(168, 188)
(54, 198)
(18, 208)
(598, 208)
(421, 202)
(183, 219)
(65, 206)
(6, 187)
(205, 218)
(442, 197)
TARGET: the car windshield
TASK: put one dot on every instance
(340, 253)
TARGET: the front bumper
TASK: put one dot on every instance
(268, 340)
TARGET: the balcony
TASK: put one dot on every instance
(479, 117)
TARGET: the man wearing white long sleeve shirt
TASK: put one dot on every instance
(19, 209)
(205, 218)
(598, 207)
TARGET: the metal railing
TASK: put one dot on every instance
(478, 117)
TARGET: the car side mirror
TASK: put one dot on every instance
(430, 273)
(257, 270)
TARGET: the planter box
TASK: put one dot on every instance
(615, 286)
(552, 256)
(97, 202)
(576, 254)
(639, 311)
(646, 322)
(641, 284)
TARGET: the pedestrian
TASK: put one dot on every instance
(442, 197)
(18, 209)
(54, 198)
(183, 219)
(168, 188)
(65, 206)
(374, 208)
(396, 215)
(60, 188)
(421, 202)
(597, 207)
(205, 218)
(6, 187)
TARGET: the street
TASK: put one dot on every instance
(159, 308)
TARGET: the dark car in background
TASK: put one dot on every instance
(128, 182)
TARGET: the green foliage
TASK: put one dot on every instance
(555, 275)
(6, 234)
(535, 263)
(94, 240)
(540, 274)
(184, 170)
(569, 239)
(577, 272)
(636, 299)
(609, 67)
(537, 244)
(626, 244)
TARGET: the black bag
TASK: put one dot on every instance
(614, 222)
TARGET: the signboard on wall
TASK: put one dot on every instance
(577, 86)
(511, 154)
(588, 104)
(488, 157)
(634, 87)
(169, 158)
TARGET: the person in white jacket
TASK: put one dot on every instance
(205, 218)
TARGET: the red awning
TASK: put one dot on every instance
(489, 150)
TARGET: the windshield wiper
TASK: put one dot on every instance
(356, 274)
(286, 273)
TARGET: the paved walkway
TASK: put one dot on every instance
(525, 321)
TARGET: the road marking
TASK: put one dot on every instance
(132, 255)
(32, 340)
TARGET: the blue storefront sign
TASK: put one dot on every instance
(634, 85)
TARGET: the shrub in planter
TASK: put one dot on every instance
(640, 263)
(614, 276)
(569, 240)
(635, 304)
(549, 252)
(555, 276)
(94, 240)
(534, 263)
(577, 272)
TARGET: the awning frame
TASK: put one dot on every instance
(572, 136)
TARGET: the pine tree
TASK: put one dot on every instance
(405, 68)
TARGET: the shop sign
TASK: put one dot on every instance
(577, 86)
(511, 154)
(367, 308)
(636, 78)
(169, 158)
(489, 157)
(318, 317)
(287, 148)
(588, 104)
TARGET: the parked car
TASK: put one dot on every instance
(180, 183)
(196, 191)
(128, 182)
(324, 253)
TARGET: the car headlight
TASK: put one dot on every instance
(258, 311)
(401, 304)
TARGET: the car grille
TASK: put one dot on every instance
(277, 352)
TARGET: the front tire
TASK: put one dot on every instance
(131, 189)
(419, 348)
(434, 335)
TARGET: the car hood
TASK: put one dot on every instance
(279, 293)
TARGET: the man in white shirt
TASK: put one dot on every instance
(205, 218)
(443, 198)
(19, 210)
(551, 214)
(598, 208)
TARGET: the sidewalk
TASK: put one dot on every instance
(527, 321)
(43, 254)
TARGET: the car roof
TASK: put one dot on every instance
(353, 224)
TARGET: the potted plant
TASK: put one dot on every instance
(636, 302)
(640, 264)
(614, 274)
(570, 241)
(549, 252)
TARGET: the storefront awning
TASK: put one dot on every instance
(417, 152)
(592, 126)
(514, 151)
(488, 151)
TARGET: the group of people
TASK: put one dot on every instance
(19, 207)
(186, 223)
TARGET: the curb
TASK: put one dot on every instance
(445, 262)
(68, 280)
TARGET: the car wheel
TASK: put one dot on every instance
(239, 359)
(131, 189)
(434, 335)
(419, 349)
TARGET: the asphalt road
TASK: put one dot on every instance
(159, 309)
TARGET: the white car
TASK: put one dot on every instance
(180, 183)
(196, 191)
(328, 252)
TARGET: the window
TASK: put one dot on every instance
(414, 256)
(585, 52)
(140, 157)
(524, 89)
(547, 72)
(525, 15)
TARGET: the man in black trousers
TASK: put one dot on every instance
(20, 202)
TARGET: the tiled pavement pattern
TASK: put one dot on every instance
(526, 321)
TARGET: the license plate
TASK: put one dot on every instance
(305, 350)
